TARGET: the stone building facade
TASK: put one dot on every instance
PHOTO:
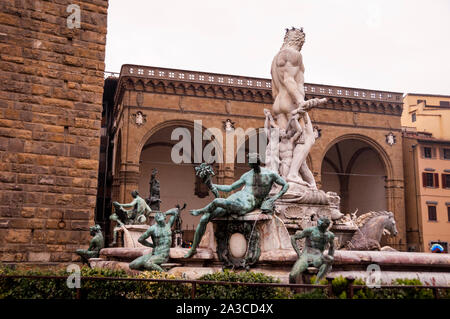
(427, 191)
(426, 156)
(358, 153)
(50, 112)
(427, 113)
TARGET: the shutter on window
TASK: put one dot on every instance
(436, 180)
(433, 152)
(444, 184)
(424, 179)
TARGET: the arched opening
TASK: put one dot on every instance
(355, 170)
(178, 182)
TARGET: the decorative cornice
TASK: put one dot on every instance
(257, 117)
(258, 90)
(427, 95)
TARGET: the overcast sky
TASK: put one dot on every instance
(392, 45)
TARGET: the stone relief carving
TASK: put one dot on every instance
(228, 107)
(139, 118)
(228, 125)
(139, 98)
(391, 139)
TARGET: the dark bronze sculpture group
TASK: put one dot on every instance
(289, 146)
(256, 184)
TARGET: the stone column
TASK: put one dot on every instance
(228, 177)
(129, 181)
(395, 204)
(116, 189)
(344, 192)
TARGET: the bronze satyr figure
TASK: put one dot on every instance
(161, 235)
(95, 245)
(316, 240)
(134, 216)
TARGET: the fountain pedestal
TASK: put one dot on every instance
(298, 216)
(129, 235)
(242, 241)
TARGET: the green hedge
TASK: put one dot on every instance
(24, 288)
(160, 290)
(340, 289)
(386, 293)
(240, 292)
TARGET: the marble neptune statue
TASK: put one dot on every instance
(256, 184)
(290, 117)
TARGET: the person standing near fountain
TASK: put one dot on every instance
(257, 184)
(316, 240)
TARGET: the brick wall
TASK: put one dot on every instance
(51, 85)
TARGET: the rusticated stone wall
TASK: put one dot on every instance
(51, 85)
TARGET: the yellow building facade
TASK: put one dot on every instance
(426, 156)
(427, 113)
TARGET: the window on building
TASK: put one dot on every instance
(420, 101)
(446, 153)
(445, 180)
(444, 103)
(430, 179)
(432, 216)
(427, 152)
(413, 117)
